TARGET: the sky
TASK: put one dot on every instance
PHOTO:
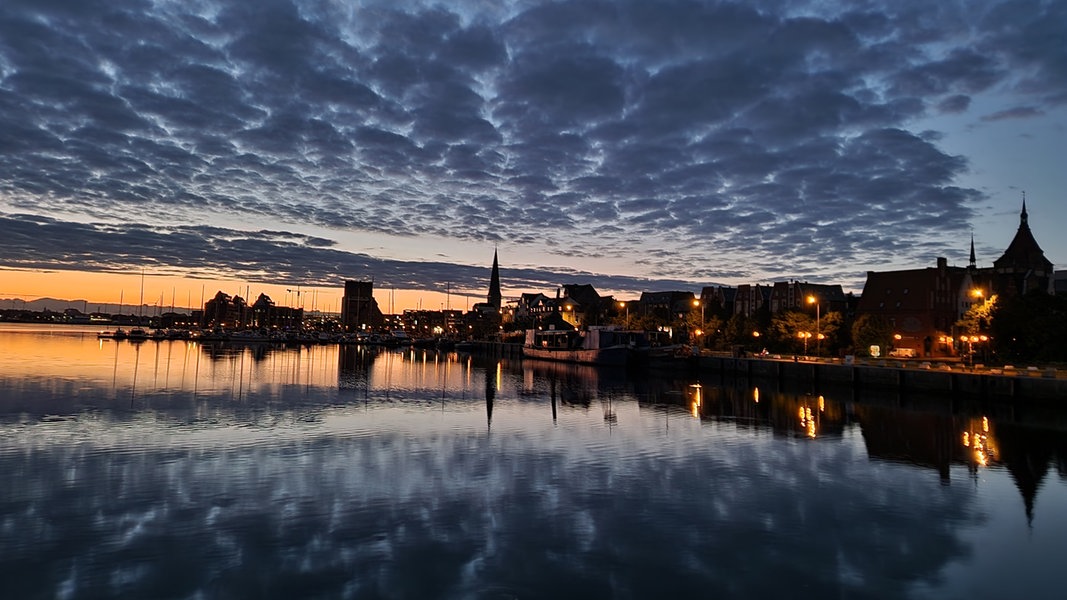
(632, 145)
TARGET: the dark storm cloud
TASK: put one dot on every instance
(769, 134)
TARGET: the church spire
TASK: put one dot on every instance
(1023, 266)
(495, 297)
(974, 261)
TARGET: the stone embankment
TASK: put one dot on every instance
(900, 375)
(905, 376)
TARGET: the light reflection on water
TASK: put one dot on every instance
(173, 469)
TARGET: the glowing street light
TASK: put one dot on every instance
(701, 305)
(818, 336)
(805, 335)
(971, 341)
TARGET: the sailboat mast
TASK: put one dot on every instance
(140, 309)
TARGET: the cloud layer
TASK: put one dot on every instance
(700, 141)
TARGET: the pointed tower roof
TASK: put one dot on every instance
(1023, 253)
(974, 261)
(495, 298)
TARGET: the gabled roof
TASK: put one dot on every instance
(263, 302)
(908, 290)
(529, 298)
(583, 294)
(825, 292)
(1023, 253)
(665, 297)
(557, 322)
(723, 292)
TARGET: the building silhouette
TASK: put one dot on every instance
(922, 306)
(1023, 267)
(225, 311)
(495, 298)
(359, 309)
(490, 309)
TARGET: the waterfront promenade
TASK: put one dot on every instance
(903, 375)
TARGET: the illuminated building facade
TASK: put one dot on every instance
(922, 306)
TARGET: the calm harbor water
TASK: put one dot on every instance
(179, 470)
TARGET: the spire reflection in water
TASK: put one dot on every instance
(368, 466)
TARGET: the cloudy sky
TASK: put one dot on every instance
(687, 142)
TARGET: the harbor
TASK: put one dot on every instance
(235, 458)
(1048, 384)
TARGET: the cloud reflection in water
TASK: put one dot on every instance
(319, 491)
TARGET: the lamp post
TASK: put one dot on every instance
(971, 340)
(804, 335)
(701, 305)
(818, 336)
(626, 305)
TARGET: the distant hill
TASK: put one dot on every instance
(56, 305)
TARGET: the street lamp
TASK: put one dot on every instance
(971, 341)
(626, 305)
(701, 305)
(804, 335)
(818, 336)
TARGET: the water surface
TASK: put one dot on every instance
(178, 470)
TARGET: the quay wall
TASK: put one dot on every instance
(890, 375)
(894, 375)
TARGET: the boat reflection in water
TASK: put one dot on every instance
(332, 471)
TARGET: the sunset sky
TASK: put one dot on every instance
(633, 145)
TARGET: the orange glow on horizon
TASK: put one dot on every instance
(99, 289)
